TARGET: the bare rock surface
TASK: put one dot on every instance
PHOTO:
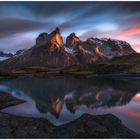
(7, 100)
(87, 126)
(51, 51)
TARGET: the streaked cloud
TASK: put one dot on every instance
(118, 20)
(131, 32)
(106, 27)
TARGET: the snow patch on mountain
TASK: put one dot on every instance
(69, 50)
(3, 58)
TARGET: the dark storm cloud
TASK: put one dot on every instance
(43, 9)
(53, 8)
(132, 7)
(14, 25)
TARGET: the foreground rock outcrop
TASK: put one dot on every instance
(87, 126)
(7, 100)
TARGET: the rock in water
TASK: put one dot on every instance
(7, 100)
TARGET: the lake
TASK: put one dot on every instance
(62, 100)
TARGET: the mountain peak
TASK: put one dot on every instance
(73, 34)
(56, 31)
(72, 40)
(56, 38)
(41, 38)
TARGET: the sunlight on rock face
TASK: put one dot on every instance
(57, 106)
(59, 39)
(97, 50)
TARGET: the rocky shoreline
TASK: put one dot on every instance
(87, 126)
(43, 73)
(7, 100)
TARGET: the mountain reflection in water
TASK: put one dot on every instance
(62, 100)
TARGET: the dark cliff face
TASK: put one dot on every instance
(50, 51)
(42, 38)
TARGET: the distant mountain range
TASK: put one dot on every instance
(51, 51)
(4, 56)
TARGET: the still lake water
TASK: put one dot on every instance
(62, 100)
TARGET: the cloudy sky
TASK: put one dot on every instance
(21, 22)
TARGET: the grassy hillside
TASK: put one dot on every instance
(121, 65)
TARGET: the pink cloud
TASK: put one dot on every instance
(136, 47)
(131, 32)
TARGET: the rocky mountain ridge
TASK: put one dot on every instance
(51, 51)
